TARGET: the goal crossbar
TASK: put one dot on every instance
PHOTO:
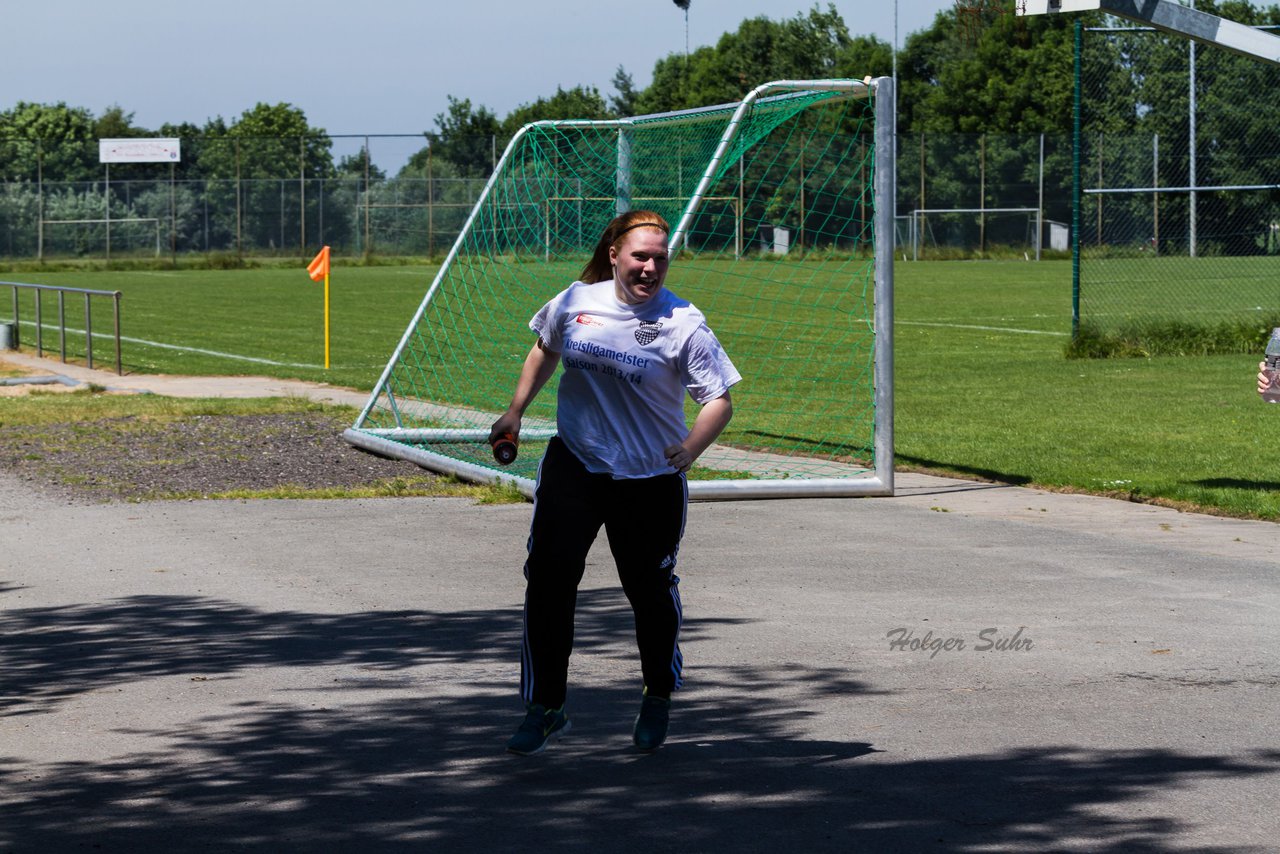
(1172, 18)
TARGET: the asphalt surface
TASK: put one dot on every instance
(964, 667)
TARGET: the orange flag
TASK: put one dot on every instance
(318, 269)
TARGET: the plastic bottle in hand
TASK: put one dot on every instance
(1272, 393)
(504, 449)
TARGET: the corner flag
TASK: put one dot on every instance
(319, 269)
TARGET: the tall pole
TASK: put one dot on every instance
(894, 199)
(106, 198)
(368, 195)
(239, 239)
(1075, 187)
(686, 39)
(1191, 127)
(895, 51)
(1155, 198)
(173, 214)
(39, 201)
(302, 197)
(1040, 204)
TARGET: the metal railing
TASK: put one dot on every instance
(62, 319)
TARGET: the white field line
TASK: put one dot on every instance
(261, 361)
(256, 359)
(983, 328)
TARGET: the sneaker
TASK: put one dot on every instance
(651, 723)
(540, 725)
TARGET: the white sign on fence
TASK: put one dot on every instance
(139, 151)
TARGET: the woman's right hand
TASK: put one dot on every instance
(1264, 378)
(509, 422)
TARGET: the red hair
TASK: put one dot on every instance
(600, 268)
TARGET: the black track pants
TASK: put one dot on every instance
(644, 520)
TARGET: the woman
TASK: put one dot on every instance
(631, 350)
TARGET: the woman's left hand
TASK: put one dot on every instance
(680, 458)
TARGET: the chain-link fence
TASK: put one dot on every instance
(1180, 182)
(247, 196)
(983, 195)
(958, 196)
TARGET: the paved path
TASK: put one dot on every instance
(181, 386)
(333, 676)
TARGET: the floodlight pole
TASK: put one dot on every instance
(894, 200)
(1077, 49)
(1191, 129)
(895, 47)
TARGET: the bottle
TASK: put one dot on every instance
(1272, 393)
(504, 448)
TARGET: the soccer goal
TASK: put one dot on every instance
(782, 207)
(982, 229)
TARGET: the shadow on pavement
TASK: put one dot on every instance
(426, 771)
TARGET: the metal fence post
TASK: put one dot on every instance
(302, 196)
(88, 332)
(1040, 203)
(115, 298)
(239, 238)
(40, 199)
(106, 197)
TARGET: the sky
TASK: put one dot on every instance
(371, 67)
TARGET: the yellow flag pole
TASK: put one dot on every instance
(321, 262)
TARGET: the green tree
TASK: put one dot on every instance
(115, 123)
(577, 103)
(354, 166)
(195, 140)
(864, 56)
(273, 157)
(466, 137)
(815, 44)
(1017, 78)
(624, 103)
(59, 138)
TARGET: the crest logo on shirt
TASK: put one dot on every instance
(648, 331)
(588, 320)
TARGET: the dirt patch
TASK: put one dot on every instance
(23, 389)
(132, 458)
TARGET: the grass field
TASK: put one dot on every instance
(982, 387)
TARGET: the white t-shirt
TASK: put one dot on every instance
(626, 370)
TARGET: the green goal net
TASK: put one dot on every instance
(781, 207)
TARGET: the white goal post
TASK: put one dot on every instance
(807, 320)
